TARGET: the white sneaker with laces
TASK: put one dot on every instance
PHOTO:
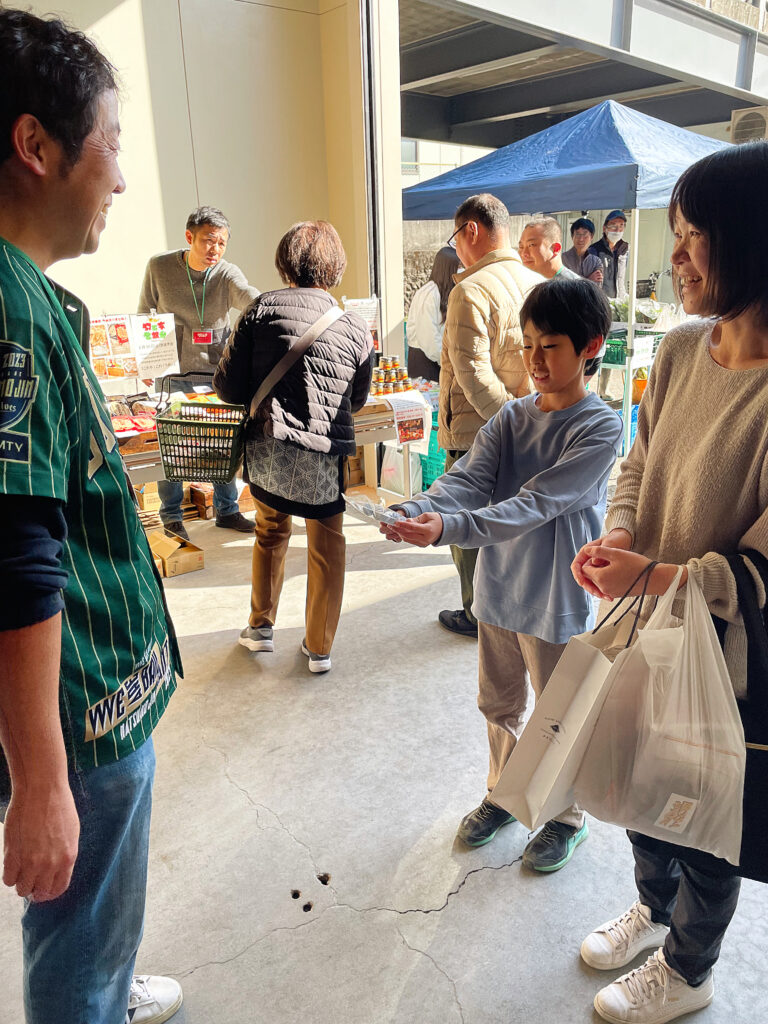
(260, 638)
(317, 662)
(153, 999)
(616, 943)
(652, 994)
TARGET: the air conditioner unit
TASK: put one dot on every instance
(749, 124)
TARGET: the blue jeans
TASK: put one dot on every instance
(172, 491)
(79, 950)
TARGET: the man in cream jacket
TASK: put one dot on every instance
(481, 364)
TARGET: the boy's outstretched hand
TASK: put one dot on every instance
(422, 531)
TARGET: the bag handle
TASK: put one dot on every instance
(293, 354)
(641, 597)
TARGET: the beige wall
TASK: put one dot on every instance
(252, 107)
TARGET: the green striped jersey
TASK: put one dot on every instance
(118, 655)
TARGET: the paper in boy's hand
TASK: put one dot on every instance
(422, 530)
(375, 513)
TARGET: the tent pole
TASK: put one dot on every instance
(634, 233)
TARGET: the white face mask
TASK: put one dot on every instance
(614, 236)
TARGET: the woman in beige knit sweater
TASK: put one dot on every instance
(693, 489)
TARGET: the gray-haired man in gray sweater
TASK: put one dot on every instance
(199, 287)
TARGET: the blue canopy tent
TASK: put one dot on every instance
(606, 157)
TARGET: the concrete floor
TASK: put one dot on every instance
(269, 778)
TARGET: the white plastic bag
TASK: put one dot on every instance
(667, 755)
(392, 469)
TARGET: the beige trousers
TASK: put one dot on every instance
(326, 557)
(507, 661)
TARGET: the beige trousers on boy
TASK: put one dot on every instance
(507, 660)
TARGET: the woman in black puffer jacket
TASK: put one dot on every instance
(298, 438)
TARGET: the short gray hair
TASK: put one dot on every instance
(486, 210)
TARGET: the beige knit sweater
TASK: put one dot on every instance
(695, 484)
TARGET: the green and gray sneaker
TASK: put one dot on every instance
(480, 826)
(553, 847)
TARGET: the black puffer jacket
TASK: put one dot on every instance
(312, 405)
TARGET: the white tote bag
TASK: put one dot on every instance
(536, 782)
(667, 755)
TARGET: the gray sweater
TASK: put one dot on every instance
(166, 288)
(529, 493)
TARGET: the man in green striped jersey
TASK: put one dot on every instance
(88, 657)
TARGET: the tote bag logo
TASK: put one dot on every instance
(18, 384)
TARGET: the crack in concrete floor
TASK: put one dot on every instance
(439, 969)
(337, 904)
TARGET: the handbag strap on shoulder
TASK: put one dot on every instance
(756, 628)
(294, 353)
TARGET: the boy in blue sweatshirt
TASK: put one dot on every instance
(529, 493)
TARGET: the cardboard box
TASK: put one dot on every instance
(147, 497)
(176, 555)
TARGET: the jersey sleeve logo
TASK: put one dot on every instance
(18, 388)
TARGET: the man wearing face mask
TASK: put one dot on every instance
(612, 252)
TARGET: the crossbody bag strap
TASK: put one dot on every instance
(755, 626)
(293, 354)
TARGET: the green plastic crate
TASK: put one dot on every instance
(432, 464)
(201, 441)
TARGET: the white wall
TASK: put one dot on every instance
(439, 157)
(224, 103)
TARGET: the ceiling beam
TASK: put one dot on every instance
(463, 47)
(573, 106)
(580, 85)
(479, 69)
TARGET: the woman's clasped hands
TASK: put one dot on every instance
(607, 569)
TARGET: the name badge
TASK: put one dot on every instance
(202, 337)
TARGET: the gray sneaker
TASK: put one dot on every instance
(259, 639)
(317, 662)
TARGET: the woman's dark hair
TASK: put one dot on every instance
(577, 308)
(583, 222)
(54, 73)
(310, 255)
(445, 266)
(721, 195)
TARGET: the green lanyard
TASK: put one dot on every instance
(200, 310)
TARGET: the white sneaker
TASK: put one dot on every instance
(616, 943)
(153, 999)
(652, 994)
(317, 662)
(259, 639)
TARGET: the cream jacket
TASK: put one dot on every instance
(481, 364)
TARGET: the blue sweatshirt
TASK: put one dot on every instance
(529, 493)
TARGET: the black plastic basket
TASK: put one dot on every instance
(201, 441)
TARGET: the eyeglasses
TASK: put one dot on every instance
(452, 240)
